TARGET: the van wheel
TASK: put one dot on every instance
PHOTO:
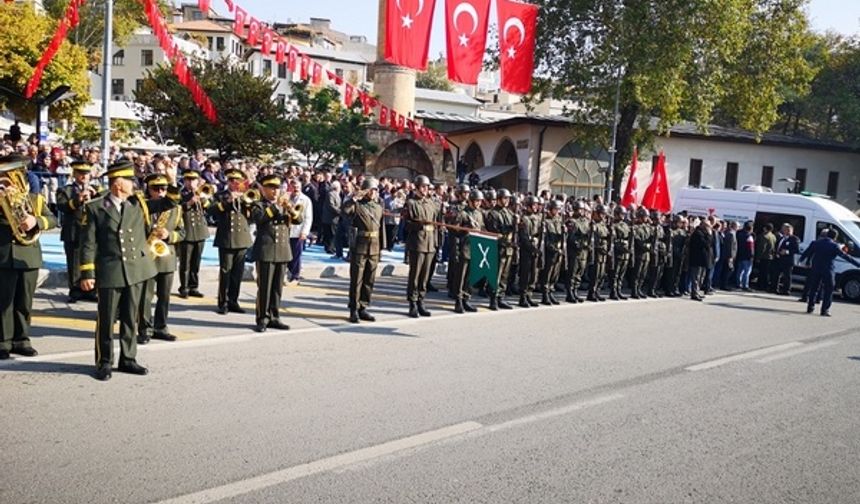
(851, 288)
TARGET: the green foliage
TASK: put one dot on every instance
(87, 130)
(24, 37)
(436, 77)
(250, 124)
(324, 130)
(677, 60)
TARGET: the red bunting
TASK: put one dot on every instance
(401, 123)
(383, 115)
(305, 62)
(70, 19)
(204, 5)
(444, 142)
(239, 21)
(268, 39)
(348, 91)
(293, 59)
(253, 31)
(281, 51)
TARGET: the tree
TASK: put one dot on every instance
(324, 130)
(675, 60)
(249, 122)
(24, 36)
(435, 77)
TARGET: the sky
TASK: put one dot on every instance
(358, 17)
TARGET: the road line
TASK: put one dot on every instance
(747, 355)
(323, 465)
(544, 415)
(798, 351)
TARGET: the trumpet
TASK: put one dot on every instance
(251, 196)
(205, 191)
(295, 212)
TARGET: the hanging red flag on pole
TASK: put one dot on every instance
(407, 32)
(466, 27)
(239, 21)
(253, 31)
(517, 45)
(383, 115)
(204, 5)
(631, 192)
(657, 195)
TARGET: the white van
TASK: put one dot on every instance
(808, 213)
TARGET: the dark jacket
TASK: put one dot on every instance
(823, 253)
(791, 245)
(13, 255)
(331, 207)
(234, 230)
(701, 249)
(746, 246)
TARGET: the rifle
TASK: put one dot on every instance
(541, 241)
(611, 254)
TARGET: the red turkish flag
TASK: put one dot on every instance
(383, 115)
(239, 21)
(305, 63)
(348, 98)
(229, 5)
(268, 39)
(253, 31)
(466, 26)
(517, 45)
(281, 51)
(204, 5)
(444, 142)
(631, 192)
(657, 195)
(293, 59)
(317, 74)
(407, 32)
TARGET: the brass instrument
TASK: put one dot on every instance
(294, 212)
(157, 246)
(205, 191)
(251, 196)
(17, 206)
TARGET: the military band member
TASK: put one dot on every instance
(601, 240)
(115, 258)
(622, 245)
(470, 217)
(195, 202)
(529, 236)
(420, 213)
(643, 242)
(273, 215)
(166, 231)
(366, 248)
(578, 249)
(553, 243)
(502, 221)
(70, 204)
(20, 255)
(232, 212)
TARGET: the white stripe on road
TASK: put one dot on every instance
(798, 351)
(323, 465)
(743, 356)
(553, 413)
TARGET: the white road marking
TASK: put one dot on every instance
(743, 356)
(544, 415)
(323, 465)
(798, 351)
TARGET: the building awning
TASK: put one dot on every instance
(490, 172)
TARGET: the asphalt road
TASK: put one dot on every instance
(741, 399)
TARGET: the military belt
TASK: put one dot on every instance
(369, 234)
(429, 227)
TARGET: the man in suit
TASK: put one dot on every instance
(273, 216)
(331, 216)
(70, 204)
(420, 213)
(19, 261)
(787, 247)
(700, 257)
(190, 250)
(166, 226)
(765, 254)
(115, 257)
(232, 213)
(366, 248)
(822, 253)
(729, 254)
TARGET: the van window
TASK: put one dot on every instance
(842, 238)
(778, 219)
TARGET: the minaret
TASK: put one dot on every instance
(395, 85)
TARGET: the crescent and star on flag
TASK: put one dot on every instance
(465, 8)
(407, 20)
(517, 23)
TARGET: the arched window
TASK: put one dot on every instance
(505, 154)
(473, 158)
(579, 172)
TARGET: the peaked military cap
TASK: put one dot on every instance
(13, 162)
(123, 168)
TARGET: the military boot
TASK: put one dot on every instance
(531, 301)
(353, 316)
(494, 302)
(592, 296)
(552, 299)
(413, 310)
(621, 295)
(421, 310)
(545, 299)
(613, 295)
(523, 302)
(570, 297)
(468, 307)
(458, 306)
(504, 304)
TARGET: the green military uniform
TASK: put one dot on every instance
(643, 243)
(502, 221)
(368, 239)
(272, 251)
(452, 213)
(553, 244)
(71, 212)
(530, 235)
(232, 238)
(578, 250)
(659, 256)
(421, 244)
(190, 250)
(678, 242)
(114, 252)
(160, 285)
(19, 265)
(602, 241)
(622, 244)
(469, 217)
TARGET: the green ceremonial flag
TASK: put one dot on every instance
(484, 262)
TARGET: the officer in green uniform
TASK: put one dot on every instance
(20, 256)
(273, 215)
(190, 250)
(553, 244)
(578, 249)
(452, 213)
(622, 245)
(232, 213)
(115, 257)
(368, 238)
(678, 244)
(529, 236)
(502, 221)
(70, 204)
(659, 251)
(471, 217)
(166, 226)
(420, 213)
(602, 242)
(643, 243)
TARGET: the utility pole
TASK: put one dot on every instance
(613, 148)
(106, 83)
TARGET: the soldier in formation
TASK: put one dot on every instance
(365, 248)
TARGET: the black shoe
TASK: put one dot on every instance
(599, 297)
(195, 293)
(570, 298)
(103, 373)
(4, 354)
(531, 302)
(142, 340)
(825, 314)
(523, 302)
(277, 324)
(260, 328)
(469, 308)
(164, 336)
(494, 303)
(622, 296)
(803, 300)
(92, 297)
(235, 308)
(221, 310)
(365, 316)
(432, 288)
(183, 294)
(697, 298)
(25, 351)
(132, 368)
(72, 300)
(504, 304)
(413, 310)
(544, 300)
(458, 306)
(613, 295)
(810, 309)
(353, 317)
(421, 310)
(552, 299)
(592, 297)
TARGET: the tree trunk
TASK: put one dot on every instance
(624, 145)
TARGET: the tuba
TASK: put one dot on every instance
(157, 247)
(205, 191)
(17, 206)
(251, 196)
